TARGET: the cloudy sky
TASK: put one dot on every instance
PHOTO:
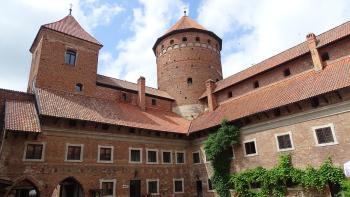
(251, 30)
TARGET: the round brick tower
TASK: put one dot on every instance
(187, 56)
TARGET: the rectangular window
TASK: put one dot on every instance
(284, 141)
(196, 157)
(74, 152)
(105, 154)
(34, 151)
(152, 156)
(250, 148)
(153, 186)
(70, 57)
(210, 185)
(180, 157)
(324, 135)
(108, 187)
(135, 155)
(178, 185)
(166, 157)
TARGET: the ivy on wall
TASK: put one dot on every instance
(216, 150)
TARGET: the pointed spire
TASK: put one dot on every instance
(185, 22)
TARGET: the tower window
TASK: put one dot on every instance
(70, 57)
(286, 72)
(171, 41)
(163, 46)
(198, 39)
(154, 101)
(184, 39)
(256, 84)
(189, 81)
(209, 41)
(325, 56)
(229, 94)
(79, 87)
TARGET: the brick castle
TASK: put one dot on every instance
(77, 133)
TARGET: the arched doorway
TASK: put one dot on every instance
(69, 187)
(24, 188)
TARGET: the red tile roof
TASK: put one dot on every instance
(325, 38)
(21, 116)
(121, 84)
(185, 22)
(74, 106)
(68, 25)
(305, 85)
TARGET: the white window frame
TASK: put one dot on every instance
(171, 156)
(81, 152)
(42, 152)
(114, 186)
(98, 153)
(331, 125)
(183, 186)
(291, 141)
(151, 180)
(155, 150)
(256, 148)
(209, 190)
(184, 152)
(135, 162)
(199, 154)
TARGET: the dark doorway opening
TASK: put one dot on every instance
(24, 188)
(135, 188)
(69, 187)
(199, 188)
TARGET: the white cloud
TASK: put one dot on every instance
(135, 56)
(20, 20)
(268, 26)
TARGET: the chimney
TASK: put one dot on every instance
(316, 59)
(212, 104)
(141, 93)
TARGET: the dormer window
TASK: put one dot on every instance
(78, 87)
(70, 57)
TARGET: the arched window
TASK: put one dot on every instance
(70, 57)
(78, 87)
(189, 81)
(184, 39)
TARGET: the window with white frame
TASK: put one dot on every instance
(166, 157)
(180, 157)
(108, 187)
(196, 157)
(152, 186)
(105, 154)
(250, 147)
(152, 156)
(74, 152)
(284, 141)
(325, 135)
(135, 155)
(34, 151)
(178, 185)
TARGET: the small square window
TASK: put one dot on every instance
(135, 155)
(108, 187)
(256, 84)
(180, 157)
(105, 154)
(198, 39)
(178, 185)
(286, 72)
(229, 94)
(325, 135)
(152, 156)
(34, 151)
(74, 152)
(153, 186)
(154, 101)
(250, 148)
(70, 57)
(189, 81)
(325, 56)
(284, 141)
(166, 157)
(196, 157)
(184, 39)
(78, 87)
(171, 41)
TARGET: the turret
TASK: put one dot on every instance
(187, 56)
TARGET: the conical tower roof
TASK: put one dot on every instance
(185, 22)
(68, 25)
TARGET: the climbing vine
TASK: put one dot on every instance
(274, 182)
(216, 150)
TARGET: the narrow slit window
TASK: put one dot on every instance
(154, 102)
